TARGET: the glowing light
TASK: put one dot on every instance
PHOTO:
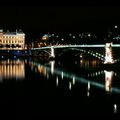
(96, 73)
(88, 85)
(108, 54)
(14, 56)
(88, 93)
(73, 80)
(73, 36)
(80, 56)
(115, 108)
(70, 86)
(62, 75)
(45, 37)
(52, 34)
(52, 66)
(81, 61)
(11, 69)
(116, 26)
(89, 35)
(56, 81)
(108, 80)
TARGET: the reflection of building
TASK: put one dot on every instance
(42, 70)
(12, 69)
(12, 40)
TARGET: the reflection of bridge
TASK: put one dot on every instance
(62, 74)
(50, 50)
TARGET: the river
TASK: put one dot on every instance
(39, 87)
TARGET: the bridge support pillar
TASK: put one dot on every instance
(108, 54)
(52, 52)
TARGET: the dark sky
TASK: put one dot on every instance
(58, 16)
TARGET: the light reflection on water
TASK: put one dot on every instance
(108, 80)
(63, 74)
(107, 85)
(10, 69)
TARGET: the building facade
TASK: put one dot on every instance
(12, 40)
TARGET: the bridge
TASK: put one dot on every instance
(68, 46)
(107, 57)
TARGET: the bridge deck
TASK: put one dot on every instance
(68, 46)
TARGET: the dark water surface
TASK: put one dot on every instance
(32, 88)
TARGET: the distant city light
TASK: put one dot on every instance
(116, 26)
(89, 35)
(73, 36)
(45, 37)
(52, 34)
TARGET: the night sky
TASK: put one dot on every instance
(58, 16)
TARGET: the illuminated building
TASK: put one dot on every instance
(12, 40)
(45, 37)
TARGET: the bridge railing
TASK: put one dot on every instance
(63, 46)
